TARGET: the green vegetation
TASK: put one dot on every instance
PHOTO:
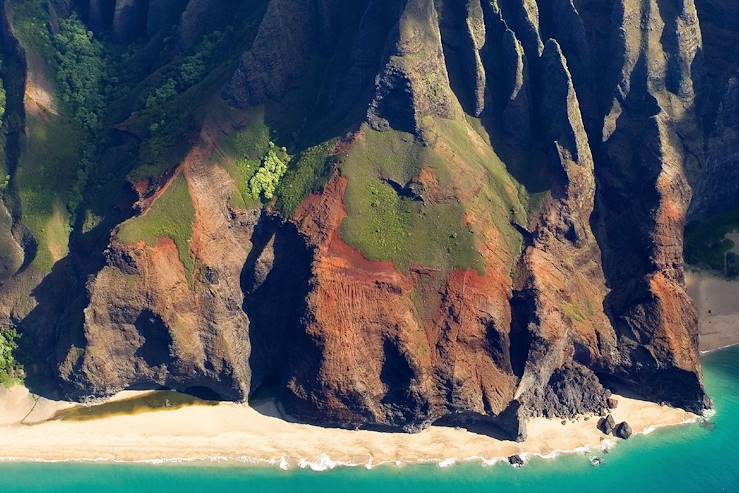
(167, 113)
(706, 244)
(307, 174)
(265, 180)
(256, 164)
(384, 225)
(47, 169)
(80, 71)
(10, 370)
(251, 143)
(575, 312)
(171, 216)
(81, 76)
(72, 169)
(242, 170)
(464, 179)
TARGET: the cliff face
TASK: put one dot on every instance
(481, 219)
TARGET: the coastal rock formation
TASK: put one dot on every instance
(481, 217)
(607, 424)
(623, 430)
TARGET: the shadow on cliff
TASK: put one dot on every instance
(275, 284)
(628, 166)
(57, 317)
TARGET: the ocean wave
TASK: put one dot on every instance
(713, 350)
(447, 463)
(324, 462)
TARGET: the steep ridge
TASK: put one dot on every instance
(481, 218)
(716, 184)
(650, 138)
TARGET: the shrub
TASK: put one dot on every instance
(162, 94)
(265, 180)
(9, 368)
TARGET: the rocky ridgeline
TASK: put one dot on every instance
(627, 107)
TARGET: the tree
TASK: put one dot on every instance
(265, 180)
(9, 368)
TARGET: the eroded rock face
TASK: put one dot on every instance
(602, 116)
(635, 110)
(150, 322)
(717, 182)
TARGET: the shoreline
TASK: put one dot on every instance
(231, 434)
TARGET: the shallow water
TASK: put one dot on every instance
(691, 458)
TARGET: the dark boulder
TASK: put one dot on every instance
(607, 424)
(612, 403)
(516, 460)
(623, 430)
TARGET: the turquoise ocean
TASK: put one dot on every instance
(701, 457)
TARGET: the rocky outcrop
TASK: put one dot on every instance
(414, 83)
(566, 134)
(623, 430)
(163, 14)
(649, 140)
(203, 16)
(98, 14)
(716, 184)
(280, 52)
(149, 322)
(607, 424)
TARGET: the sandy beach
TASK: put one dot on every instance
(717, 300)
(230, 432)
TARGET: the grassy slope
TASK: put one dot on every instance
(241, 154)
(171, 216)
(307, 173)
(384, 225)
(48, 165)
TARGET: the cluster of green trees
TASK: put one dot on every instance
(81, 80)
(265, 180)
(188, 73)
(9, 368)
(81, 71)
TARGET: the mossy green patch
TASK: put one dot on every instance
(386, 222)
(45, 180)
(706, 244)
(171, 216)
(250, 143)
(242, 170)
(385, 225)
(308, 173)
